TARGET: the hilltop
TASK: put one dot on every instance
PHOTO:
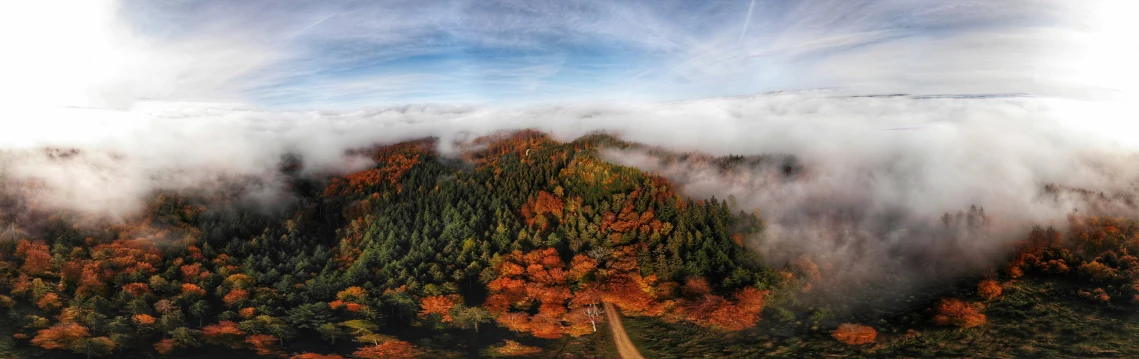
(512, 246)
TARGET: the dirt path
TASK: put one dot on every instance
(624, 346)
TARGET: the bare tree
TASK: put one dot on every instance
(593, 312)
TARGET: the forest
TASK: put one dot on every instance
(510, 248)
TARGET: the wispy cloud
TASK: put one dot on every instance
(266, 52)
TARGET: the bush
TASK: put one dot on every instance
(989, 289)
(953, 311)
(854, 334)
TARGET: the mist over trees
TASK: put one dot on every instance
(523, 232)
(512, 241)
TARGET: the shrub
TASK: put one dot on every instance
(854, 334)
(953, 311)
(989, 289)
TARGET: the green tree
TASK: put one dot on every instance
(200, 309)
(470, 317)
(330, 332)
(186, 337)
(309, 316)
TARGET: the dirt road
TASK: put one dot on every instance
(624, 346)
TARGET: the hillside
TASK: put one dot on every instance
(1061, 295)
(512, 247)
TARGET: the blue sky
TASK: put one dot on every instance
(352, 52)
(321, 54)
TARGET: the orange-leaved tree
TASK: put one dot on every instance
(952, 311)
(514, 349)
(854, 334)
(706, 309)
(989, 289)
(235, 297)
(192, 291)
(165, 346)
(392, 349)
(264, 344)
(37, 259)
(353, 299)
(525, 279)
(61, 336)
(74, 337)
(224, 333)
(438, 305)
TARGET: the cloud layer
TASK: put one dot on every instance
(879, 171)
(927, 155)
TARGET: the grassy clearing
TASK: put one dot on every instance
(594, 346)
(1035, 318)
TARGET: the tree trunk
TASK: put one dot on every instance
(593, 313)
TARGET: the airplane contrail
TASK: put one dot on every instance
(747, 21)
(309, 26)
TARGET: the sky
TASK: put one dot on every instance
(353, 54)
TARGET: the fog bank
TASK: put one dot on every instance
(879, 172)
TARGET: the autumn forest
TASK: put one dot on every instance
(520, 245)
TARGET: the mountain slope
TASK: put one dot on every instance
(523, 231)
(513, 247)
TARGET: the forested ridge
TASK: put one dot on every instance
(510, 247)
(522, 234)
